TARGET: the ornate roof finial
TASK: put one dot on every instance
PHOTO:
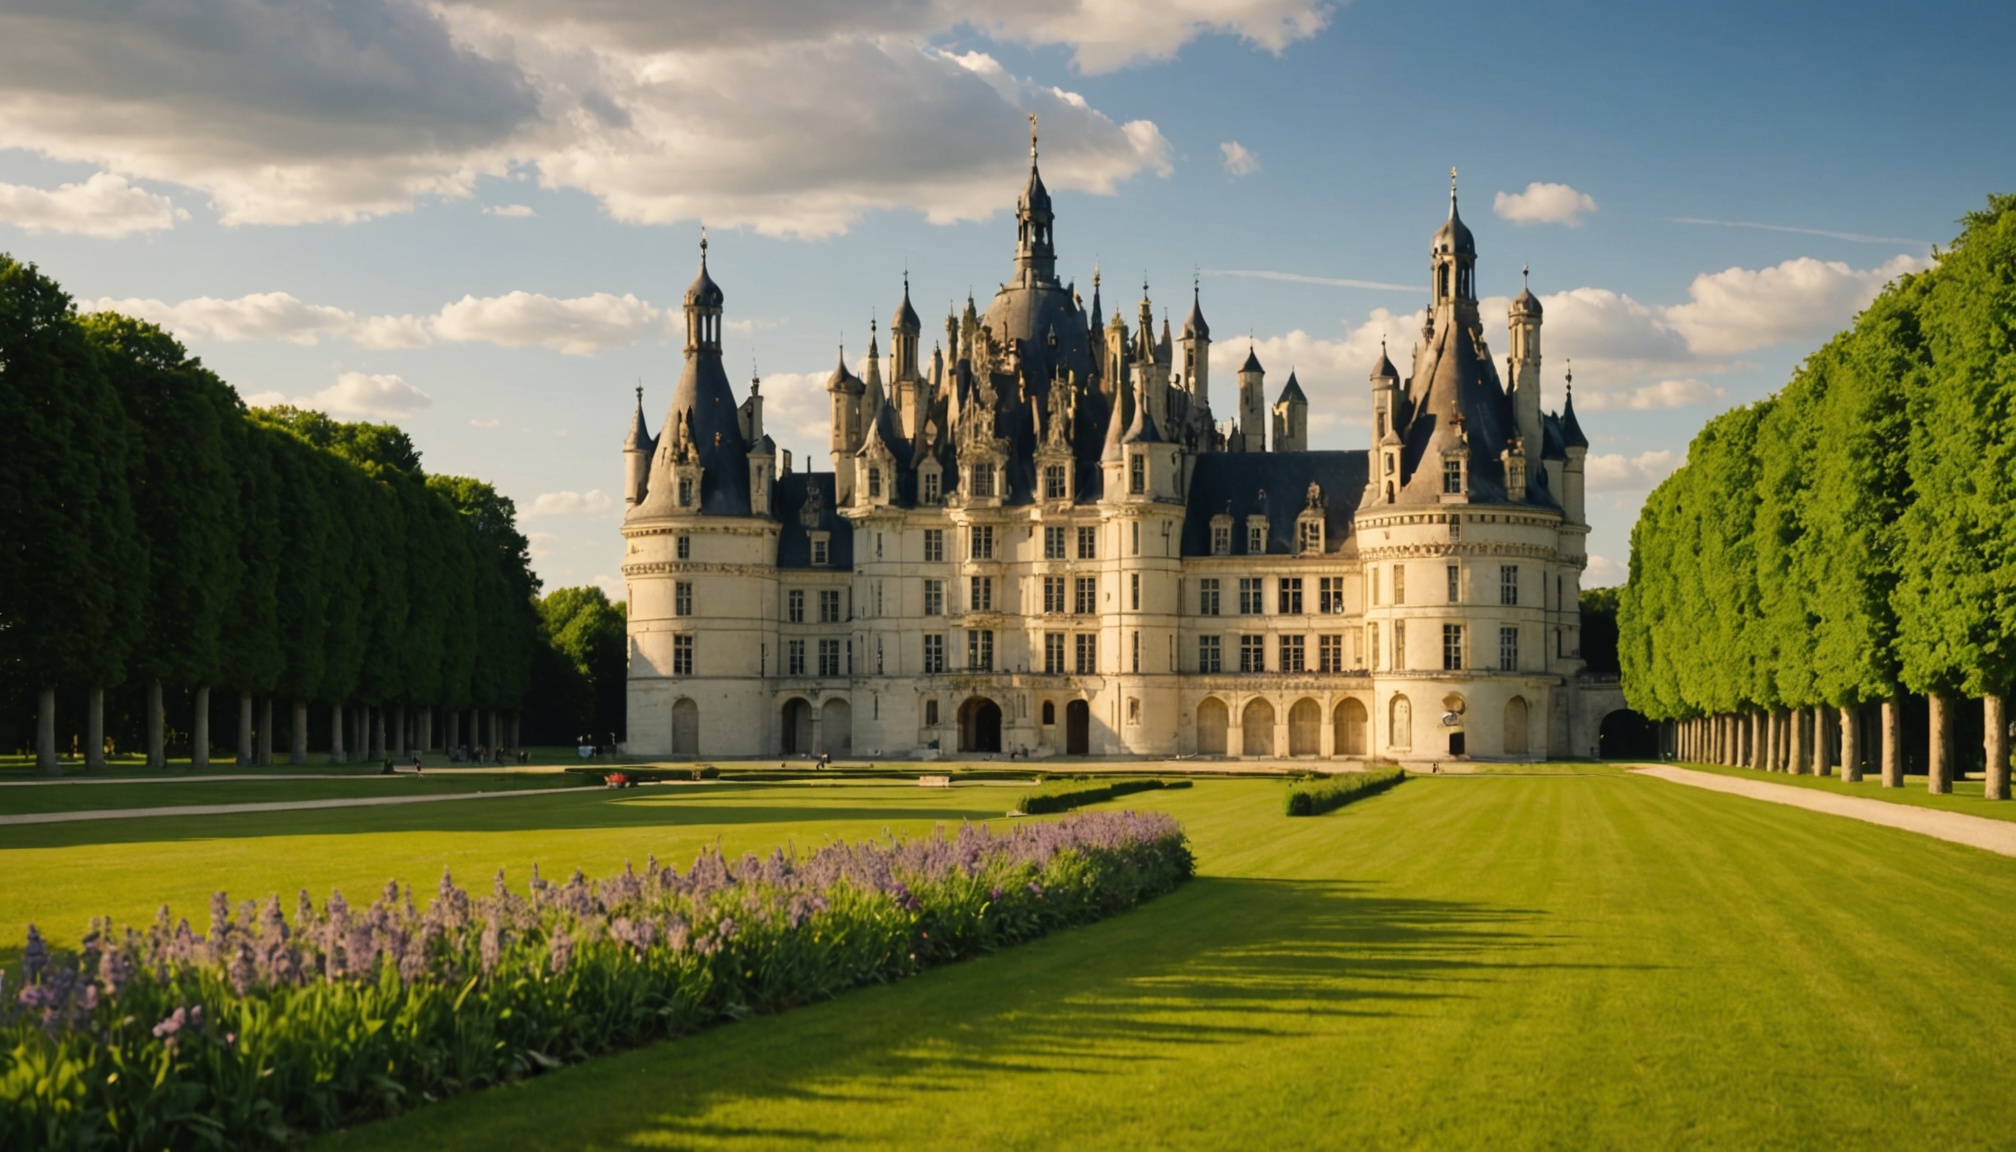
(1095, 275)
(1523, 270)
(1571, 374)
(1452, 190)
(703, 245)
(1032, 136)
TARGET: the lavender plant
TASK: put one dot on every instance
(267, 1026)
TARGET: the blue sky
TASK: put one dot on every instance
(475, 219)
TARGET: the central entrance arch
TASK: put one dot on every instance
(1256, 725)
(1305, 728)
(979, 725)
(1212, 720)
(1077, 728)
(797, 727)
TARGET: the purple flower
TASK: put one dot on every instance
(489, 945)
(115, 970)
(240, 971)
(563, 950)
(34, 957)
(172, 1024)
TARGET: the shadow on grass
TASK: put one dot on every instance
(1220, 962)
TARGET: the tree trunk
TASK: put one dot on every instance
(377, 733)
(361, 721)
(1796, 742)
(266, 731)
(1823, 743)
(336, 732)
(1995, 742)
(514, 732)
(426, 741)
(94, 731)
(398, 727)
(45, 733)
(157, 756)
(1939, 750)
(299, 753)
(1851, 747)
(246, 757)
(199, 729)
(1893, 736)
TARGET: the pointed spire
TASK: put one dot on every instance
(1384, 370)
(1571, 430)
(639, 439)
(1194, 325)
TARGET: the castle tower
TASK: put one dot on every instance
(1035, 246)
(1291, 418)
(1197, 350)
(637, 449)
(1252, 432)
(846, 389)
(906, 381)
(1453, 259)
(1386, 442)
(1525, 370)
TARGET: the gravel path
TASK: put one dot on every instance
(1975, 831)
(265, 806)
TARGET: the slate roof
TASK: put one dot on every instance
(1236, 480)
(794, 544)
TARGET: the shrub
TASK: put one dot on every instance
(1051, 801)
(707, 772)
(1332, 792)
(267, 1028)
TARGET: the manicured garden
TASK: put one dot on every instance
(1583, 959)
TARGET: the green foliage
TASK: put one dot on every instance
(1851, 534)
(581, 671)
(1599, 629)
(1334, 792)
(1049, 801)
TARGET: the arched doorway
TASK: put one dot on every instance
(1348, 720)
(1077, 728)
(979, 725)
(836, 728)
(1628, 735)
(1212, 720)
(1400, 724)
(1515, 726)
(685, 728)
(1256, 725)
(1305, 728)
(797, 727)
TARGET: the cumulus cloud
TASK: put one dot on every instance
(793, 117)
(1615, 472)
(105, 206)
(515, 211)
(355, 394)
(579, 327)
(1544, 204)
(1739, 309)
(488, 424)
(276, 316)
(1650, 397)
(1603, 572)
(1237, 160)
(593, 502)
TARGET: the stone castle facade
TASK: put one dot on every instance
(1042, 538)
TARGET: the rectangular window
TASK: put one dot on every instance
(1250, 596)
(1053, 542)
(1053, 653)
(795, 601)
(682, 655)
(931, 490)
(874, 483)
(934, 545)
(878, 545)
(1210, 654)
(1137, 473)
(1311, 533)
(1087, 653)
(1455, 527)
(1330, 595)
(1088, 543)
(685, 547)
(934, 597)
(1294, 654)
(1508, 584)
(980, 651)
(1455, 584)
(794, 651)
(1053, 482)
(829, 605)
(1221, 539)
(1256, 539)
(930, 713)
(1330, 653)
(980, 594)
(1053, 595)
(685, 492)
(829, 657)
(980, 537)
(1289, 600)
(1372, 645)
(1085, 595)
(1134, 591)
(1252, 653)
(983, 481)
(1452, 647)
(1399, 584)
(1137, 652)
(1508, 649)
(1399, 644)
(819, 552)
(934, 653)
(1207, 596)
(682, 598)
(1452, 476)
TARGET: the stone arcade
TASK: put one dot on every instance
(1041, 538)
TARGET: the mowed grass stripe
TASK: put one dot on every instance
(1488, 962)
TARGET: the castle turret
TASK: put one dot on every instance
(637, 449)
(1252, 432)
(1575, 446)
(1197, 349)
(846, 391)
(1035, 246)
(1291, 418)
(1524, 322)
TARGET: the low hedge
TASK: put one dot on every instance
(1332, 792)
(271, 1027)
(1063, 800)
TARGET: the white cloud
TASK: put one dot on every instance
(354, 394)
(490, 424)
(611, 586)
(797, 414)
(105, 206)
(1684, 393)
(1603, 572)
(1738, 309)
(1613, 472)
(259, 316)
(1544, 204)
(515, 211)
(593, 502)
(579, 327)
(793, 117)
(1237, 160)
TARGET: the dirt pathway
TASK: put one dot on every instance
(1975, 831)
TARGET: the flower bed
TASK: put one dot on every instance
(268, 1027)
(1052, 800)
(1322, 795)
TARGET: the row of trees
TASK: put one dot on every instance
(1847, 541)
(156, 535)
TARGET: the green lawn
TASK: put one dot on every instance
(1965, 797)
(81, 796)
(1582, 959)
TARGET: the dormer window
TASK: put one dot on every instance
(1221, 536)
(685, 492)
(1256, 535)
(929, 480)
(1391, 463)
(1452, 476)
(874, 483)
(1137, 473)
(1055, 484)
(983, 481)
(821, 549)
(1309, 535)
